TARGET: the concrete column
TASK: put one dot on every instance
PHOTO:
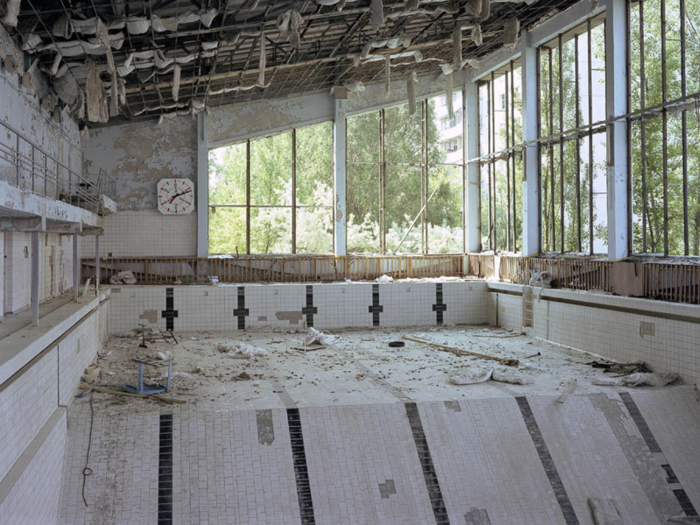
(616, 105)
(531, 175)
(76, 266)
(35, 278)
(97, 265)
(339, 178)
(202, 186)
(472, 195)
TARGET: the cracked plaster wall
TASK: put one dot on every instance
(138, 156)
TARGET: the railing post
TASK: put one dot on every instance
(35, 278)
(76, 262)
(97, 265)
(17, 158)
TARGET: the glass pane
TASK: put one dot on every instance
(363, 137)
(583, 78)
(445, 231)
(445, 139)
(654, 185)
(402, 134)
(499, 113)
(635, 56)
(270, 230)
(544, 92)
(518, 103)
(600, 198)
(502, 193)
(572, 168)
(673, 47)
(315, 165)
(226, 230)
(271, 170)
(363, 208)
(403, 203)
(486, 206)
(676, 228)
(598, 73)
(652, 52)
(692, 48)
(637, 192)
(693, 182)
(314, 230)
(569, 82)
(546, 200)
(227, 174)
(586, 163)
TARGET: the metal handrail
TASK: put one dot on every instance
(35, 170)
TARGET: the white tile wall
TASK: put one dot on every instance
(339, 305)
(35, 497)
(25, 405)
(614, 334)
(75, 353)
(145, 234)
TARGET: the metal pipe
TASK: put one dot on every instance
(35, 278)
(76, 263)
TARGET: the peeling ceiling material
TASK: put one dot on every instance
(143, 60)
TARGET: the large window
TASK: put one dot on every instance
(500, 130)
(572, 141)
(664, 126)
(273, 194)
(405, 179)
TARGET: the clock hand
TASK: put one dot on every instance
(178, 195)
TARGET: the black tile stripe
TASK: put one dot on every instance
(439, 307)
(165, 471)
(654, 446)
(309, 310)
(376, 308)
(169, 314)
(301, 469)
(241, 312)
(426, 463)
(685, 502)
(547, 462)
(641, 423)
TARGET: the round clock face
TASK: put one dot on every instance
(175, 196)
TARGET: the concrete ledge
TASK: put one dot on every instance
(18, 349)
(677, 311)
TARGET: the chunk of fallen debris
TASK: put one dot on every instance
(125, 277)
(384, 279)
(317, 337)
(613, 367)
(241, 351)
(472, 377)
(569, 390)
(656, 379)
(164, 356)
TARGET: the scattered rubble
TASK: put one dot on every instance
(241, 351)
(317, 337)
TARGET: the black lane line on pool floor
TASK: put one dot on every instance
(650, 440)
(301, 469)
(241, 312)
(426, 463)
(550, 468)
(165, 471)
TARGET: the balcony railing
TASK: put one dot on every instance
(28, 166)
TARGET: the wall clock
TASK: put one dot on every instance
(175, 196)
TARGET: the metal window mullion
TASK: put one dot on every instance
(509, 228)
(643, 130)
(561, 141)
(493, 164)
(247, 196)
(551, 154)
(512, 155)
(578, 146)
(382, 183)
(664, 116)
(539, 149)
(590, 139)
(488, 166)
(294, 191)
(684, 132)
(426, 170)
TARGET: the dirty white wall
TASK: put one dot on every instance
(138, 156)
(20, 108)
(21, 111)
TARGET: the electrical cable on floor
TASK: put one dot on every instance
(87, 471)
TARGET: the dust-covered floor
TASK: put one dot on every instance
(360, 368)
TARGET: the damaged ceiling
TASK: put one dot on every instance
(122, 60)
